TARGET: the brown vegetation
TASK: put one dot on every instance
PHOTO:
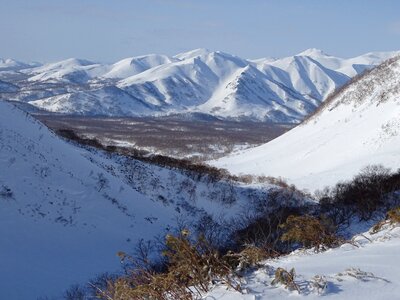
(392, 217)
(311, 232)
(286, 278)
(192, 266)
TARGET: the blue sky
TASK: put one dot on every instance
(108, 30)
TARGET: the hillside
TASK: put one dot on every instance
(66, 210)
(200, 81)
(58, 219)
(357, 126)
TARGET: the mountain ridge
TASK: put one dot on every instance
(202, 81)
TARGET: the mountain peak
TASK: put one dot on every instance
(9, 63)
(193, 53)
(312, 52)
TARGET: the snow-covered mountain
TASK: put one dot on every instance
(214, 83)
(106, 100)
(135, 65)
(357, 126)
(14, 65)
(81, 71)
(70, 70)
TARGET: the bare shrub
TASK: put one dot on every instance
(286, 278)
(369, 191)
(101, 181)
(250, 256)
(265, 231)
(72, 135)
(75, 292)
(6, 192)
(147, 285)
(318, 284)
(192, 266)
(392, 217)
(310, 232)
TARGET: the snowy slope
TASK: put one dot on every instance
(178, 85)
(135, 65)
(81, 71)
(210, 82)
(250, 94)
(66, 217)
(359, 126)
(368, 270)
(107, 100)
(65, 211)
(69, 70)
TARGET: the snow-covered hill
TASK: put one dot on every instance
(65, 211)
(358, 126)
(215, 83)
(70, 70)
(14, 65)
(135, 65)
(62, 218)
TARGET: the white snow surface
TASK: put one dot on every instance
(211, 82)
(359, 126)
(368, 269)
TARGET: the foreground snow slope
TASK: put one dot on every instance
(65, 211)
(366, 270)
(210, 82)
(358, 126)
(62, 218)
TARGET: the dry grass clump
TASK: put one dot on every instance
(311, 232)
(192, 268)
(249, 257)
(286, 278)
(392, 217)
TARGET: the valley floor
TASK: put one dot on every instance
(173, 136)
